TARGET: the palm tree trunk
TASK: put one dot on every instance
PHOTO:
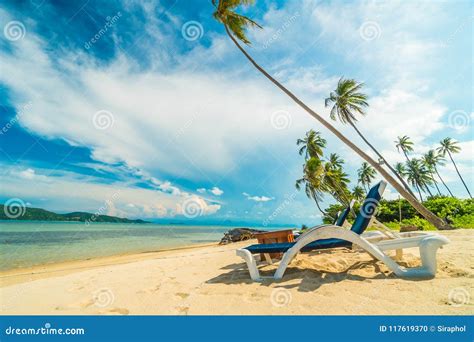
(417, 182)
(429, 191)
(319, 208)
(381, 157)
(406, 155)
(432, 218)
(419, 192)
(442, 181)
(435, 183)
(459, 174)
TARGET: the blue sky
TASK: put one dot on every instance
(146, 109)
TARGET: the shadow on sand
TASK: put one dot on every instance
(307, 279)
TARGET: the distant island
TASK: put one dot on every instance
(37, 214)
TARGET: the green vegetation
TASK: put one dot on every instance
(37, 214)
(321, 175)
(459, 212)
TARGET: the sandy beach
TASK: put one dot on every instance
(212, 280)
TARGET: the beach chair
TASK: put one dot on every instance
(332, 236)
(342, 216)
(339, 221)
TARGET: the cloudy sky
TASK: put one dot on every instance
(149, 108)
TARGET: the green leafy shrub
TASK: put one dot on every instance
(466, 221)
(418, 222)
(459, 211)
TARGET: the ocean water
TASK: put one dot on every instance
(25, 244)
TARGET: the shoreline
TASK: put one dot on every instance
(24, 274)
(211, 279)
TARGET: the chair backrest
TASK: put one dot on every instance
(342, 216)
(368, 208)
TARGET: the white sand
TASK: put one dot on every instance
(212, 280)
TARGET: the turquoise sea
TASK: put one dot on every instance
(24, 244)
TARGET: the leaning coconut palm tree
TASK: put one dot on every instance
(336, 182)
(405, 145)
(311, 145)
(336, 161)
(432, 159)
(429, 160)
(235, 26)
(366, 175)
(400, 167)
(418, 175)
(313, 172)
(450, 147)
(347, 101)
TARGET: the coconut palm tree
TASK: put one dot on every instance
(432, 159)
(336, 181)
(366, 175)
(312, 145)
(401, 170)
(419, 176)
(429, 159)
(405, 145)
(335, 160)
(347, 101)
(235, 26)
(358, 193)
(313, 172)
(450, 147)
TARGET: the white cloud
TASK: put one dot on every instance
(27, 174)
(117, 199)
(257, 198)
(161, 122)
(216, 191)
(396, 112)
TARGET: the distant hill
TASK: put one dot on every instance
(37, 214)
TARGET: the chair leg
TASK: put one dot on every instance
(268, 259)
(251, 264)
